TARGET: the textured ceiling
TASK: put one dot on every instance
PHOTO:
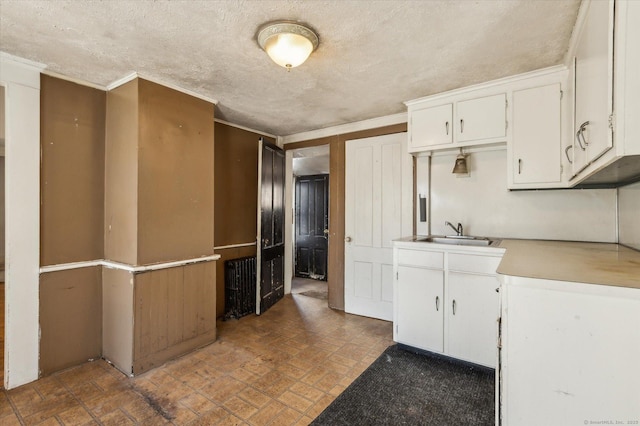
(373, 55)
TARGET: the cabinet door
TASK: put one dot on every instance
(431, 126)
(573, 349)
(419, 308)
(482, 118)
(472, 312)
(593, 85)
(536, 135)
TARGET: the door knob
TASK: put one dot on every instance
(326, 232)
(347, 239)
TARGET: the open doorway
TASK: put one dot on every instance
(311, 221)
(2, 254)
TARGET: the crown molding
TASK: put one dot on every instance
(356, 126)
(489, 84)
(237, 126)
(74, 80)
(129, 77)
(26, 63)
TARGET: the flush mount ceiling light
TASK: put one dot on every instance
(460, 168)
(287, 43)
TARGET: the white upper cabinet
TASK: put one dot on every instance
(536, 144)
(482, 118)
(589, 136)
(431, 126)
(469, 121)
(593, 73)
(606, 54)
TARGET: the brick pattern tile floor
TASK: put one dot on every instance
(281, 368)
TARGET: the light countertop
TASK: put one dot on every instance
(581, 262)
(590, 263)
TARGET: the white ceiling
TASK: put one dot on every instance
(373, 55)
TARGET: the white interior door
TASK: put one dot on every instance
(378, 209)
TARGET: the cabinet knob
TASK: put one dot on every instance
(437, 303)
(454, 306)
(347, 239)
(461, 125)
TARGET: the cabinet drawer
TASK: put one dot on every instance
(425, 259)
(473, 263)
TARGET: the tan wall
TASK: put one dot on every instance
(70, 318)
(2, 131)
(175, 175)
(72, 141)
(121, 174)
(337, 145)
(117, 318)
(72, 127)
(2, 230)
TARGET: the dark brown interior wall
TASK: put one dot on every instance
(175, 175)
(236, 197)
(70, 318)
(337, 145)
(236, 177)
(72, 128)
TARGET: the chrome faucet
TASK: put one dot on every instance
(458, 230)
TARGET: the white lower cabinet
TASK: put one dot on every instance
(570, 353)
(420, 301)
(473, 312)
(447, 304)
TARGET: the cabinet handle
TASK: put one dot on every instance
(566, 152)
(437, 303)
(461, 125)
(582, 141)
(446, 126)
(519, 165)
(454, 306)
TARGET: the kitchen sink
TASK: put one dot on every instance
(458, 240)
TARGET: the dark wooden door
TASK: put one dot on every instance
(270, 259)
(312, 221)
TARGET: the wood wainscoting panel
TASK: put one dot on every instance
(174, 313)
(70, 318)
(200, 290)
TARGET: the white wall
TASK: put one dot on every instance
(21, 81)
(629, 215)
(484, 206)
